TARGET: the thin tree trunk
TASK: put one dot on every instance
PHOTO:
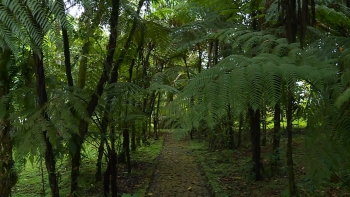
(192, 101)
(156, 117)
(114, 79)
(49, 155)
(216, 52)
(133, 137)
(108, 175)
(276, 137)
(78, 139)
(291, 182)
(83, 65)
(263, 114)
(255, 140)
(229, 127)
(126, 146)
(291, 31)
(113, 164)
(98, 174)
(133, 131)
(144, 135)
(8, 175)
(240, 128)
(67, 57)
(210, 55)
(199, 58)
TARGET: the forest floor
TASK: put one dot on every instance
(177, 174)
(229, 172)
(143, 162)
(185, 167)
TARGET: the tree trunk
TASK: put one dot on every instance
(156, 117)
(110, 175)
(126, 146)
(133, 137)
(291, 27)
(78, 139)
(98, 174)
(75, 165)
(240, 128)
(67, 57)
(113, 164)
(49, 155)
(8, 175)
(263, 114)
(144, 130)
(83, 64)
(216, 52)
(255, 140)
(199, 58)
(229, 128)
(276, 138)
(291, 182)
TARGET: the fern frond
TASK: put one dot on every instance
(26, 18)
(57, 8)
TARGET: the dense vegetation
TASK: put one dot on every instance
(107, 76)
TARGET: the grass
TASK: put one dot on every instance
(30, 182)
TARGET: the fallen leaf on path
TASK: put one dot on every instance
(189, 188)
(150, 194)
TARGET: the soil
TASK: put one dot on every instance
(177, 174)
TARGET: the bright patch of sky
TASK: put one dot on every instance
(74, 9)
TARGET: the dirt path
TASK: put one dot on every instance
(177, 174)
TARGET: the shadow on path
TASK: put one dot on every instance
(177, 174)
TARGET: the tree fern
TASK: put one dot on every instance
(252, 79)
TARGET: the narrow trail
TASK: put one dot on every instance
(177, 174)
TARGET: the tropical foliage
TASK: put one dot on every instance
(116, 72)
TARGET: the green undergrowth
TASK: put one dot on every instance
(31, 181)
(229, 172)
(147, 154)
